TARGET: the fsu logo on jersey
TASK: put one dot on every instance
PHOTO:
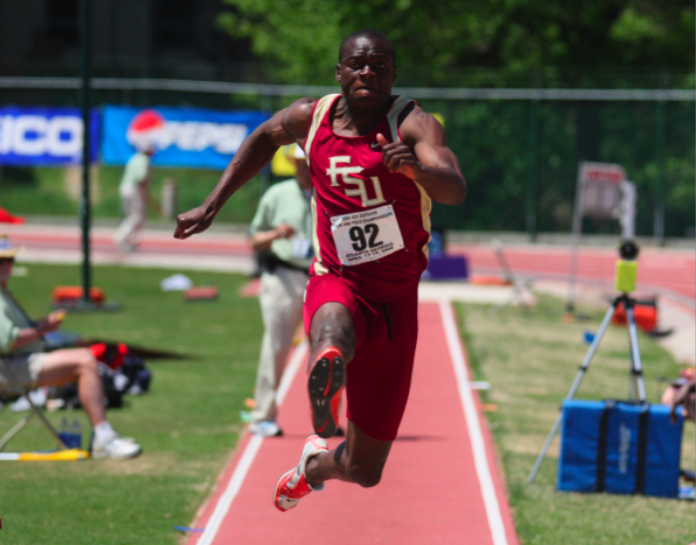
(355, 186)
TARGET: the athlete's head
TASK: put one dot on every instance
(367, 67)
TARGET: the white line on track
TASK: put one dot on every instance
(252, 448)
(490, 500)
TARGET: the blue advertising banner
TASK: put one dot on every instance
(186, 137)
(44, 136)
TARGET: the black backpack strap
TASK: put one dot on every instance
(643, 421)
(602, 447)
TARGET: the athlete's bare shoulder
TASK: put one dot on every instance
(419, 126)
(297, 117)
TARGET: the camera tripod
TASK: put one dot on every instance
(637, 386)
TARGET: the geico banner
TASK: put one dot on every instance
(186, 137)
(44, 136)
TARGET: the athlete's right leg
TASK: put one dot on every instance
(332, 326)
(332, 336)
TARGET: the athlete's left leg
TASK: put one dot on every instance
(360, 459)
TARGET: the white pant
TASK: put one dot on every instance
(128, 232)
(282, 296)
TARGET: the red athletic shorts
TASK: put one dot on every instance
(379, 375)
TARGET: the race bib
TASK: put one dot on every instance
(366, 236)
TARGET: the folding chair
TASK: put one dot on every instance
(36, 411)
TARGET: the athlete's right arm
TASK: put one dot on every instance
(285, 127)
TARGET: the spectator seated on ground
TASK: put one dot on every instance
(25, 364)
(682, 392)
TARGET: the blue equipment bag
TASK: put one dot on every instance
(619, 447)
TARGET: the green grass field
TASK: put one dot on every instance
(189, 423)
(531, 364)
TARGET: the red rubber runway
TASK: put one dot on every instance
(441, 484)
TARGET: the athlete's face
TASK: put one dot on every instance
(367, 71)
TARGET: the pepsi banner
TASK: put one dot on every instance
(44, 136)
(184, 137)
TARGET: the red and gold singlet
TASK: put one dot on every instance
(371, 226)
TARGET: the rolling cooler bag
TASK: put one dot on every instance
(619, 447)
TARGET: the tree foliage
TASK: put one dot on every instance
(516, 43)
(300, 37)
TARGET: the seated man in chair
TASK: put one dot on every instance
(26, 366)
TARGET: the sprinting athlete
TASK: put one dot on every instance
(376, 161)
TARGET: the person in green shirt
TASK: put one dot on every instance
(281, 232)
(25, 366)
(135, 196)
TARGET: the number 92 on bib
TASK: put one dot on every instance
(366, 236)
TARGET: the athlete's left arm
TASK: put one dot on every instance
(424, 157)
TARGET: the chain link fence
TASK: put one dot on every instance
(518, 148)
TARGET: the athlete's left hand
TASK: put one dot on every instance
(398, 157)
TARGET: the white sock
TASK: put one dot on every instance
(103, 432)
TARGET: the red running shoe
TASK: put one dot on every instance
(325, 384)
(292, 486)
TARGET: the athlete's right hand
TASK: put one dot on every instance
(194, 221)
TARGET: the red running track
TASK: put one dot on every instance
(441, 484)
(673, 270)
(668, 271)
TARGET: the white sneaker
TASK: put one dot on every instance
(116, 447)
(265, 429)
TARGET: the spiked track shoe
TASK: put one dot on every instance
(325, 384)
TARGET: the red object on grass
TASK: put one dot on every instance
(111, 355)
(202, 293)
(645, 315)
(6, 217)
(71, 294)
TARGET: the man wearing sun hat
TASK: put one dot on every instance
(281, 231)
(25, 365)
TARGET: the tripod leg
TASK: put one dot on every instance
(574, 388)
(545, 448)
(632, 390)
(637, 367)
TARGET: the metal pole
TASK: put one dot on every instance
(267, 105)
(85, 102)
(532, 173)
(577, 232)
(574, 388)
(659, 225)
